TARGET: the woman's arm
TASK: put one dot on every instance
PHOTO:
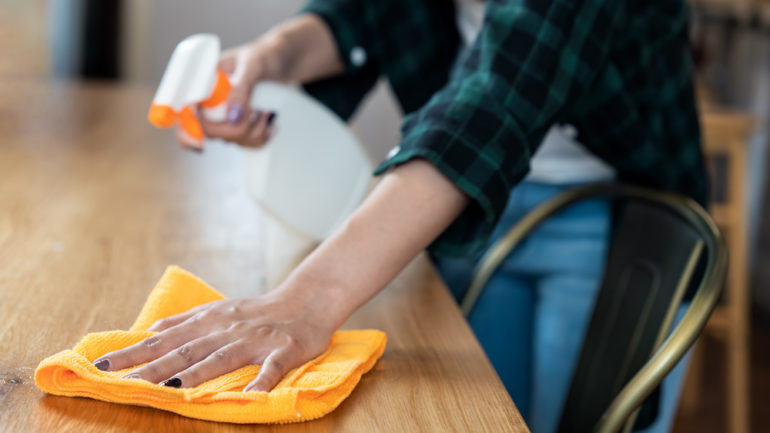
(285, 328)
(300, 49)
(412, 205)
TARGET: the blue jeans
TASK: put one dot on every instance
(533, 314)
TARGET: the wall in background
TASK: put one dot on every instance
(737, 71)
(153, 28)
(23, 39)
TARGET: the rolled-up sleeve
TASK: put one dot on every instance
(346, 19)
(530, 62)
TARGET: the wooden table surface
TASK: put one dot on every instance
(94, 203)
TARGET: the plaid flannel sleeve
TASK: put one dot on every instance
(531, 59)
(347, 21)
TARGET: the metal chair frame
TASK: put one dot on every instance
(682, 337)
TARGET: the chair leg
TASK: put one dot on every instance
(693, 386)
(738, 376)
(737, 333)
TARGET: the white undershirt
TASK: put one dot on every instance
(560, 159)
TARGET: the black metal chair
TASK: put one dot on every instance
(662, 243)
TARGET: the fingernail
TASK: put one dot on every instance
(102, 365)
(131, 376)
(270, 117)
(235, 113)
(254, 116)
(196, 149)
(174, 382)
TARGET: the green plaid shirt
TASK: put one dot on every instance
(618, 70)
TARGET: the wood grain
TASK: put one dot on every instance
(726, 135)
(94, 203)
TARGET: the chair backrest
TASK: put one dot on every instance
(658, 241)
(652, 257)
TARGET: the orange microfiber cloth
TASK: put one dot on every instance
(308, 392)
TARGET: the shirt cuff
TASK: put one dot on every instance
(349, 35)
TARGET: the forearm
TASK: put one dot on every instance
(301, 49)
(410, 207)
(294, 324)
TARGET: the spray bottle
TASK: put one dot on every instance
(310, 176)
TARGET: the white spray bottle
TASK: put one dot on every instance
(309, 177)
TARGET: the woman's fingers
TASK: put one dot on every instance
(252, 131)
(220, 353)
(228, 60)
(248, 67)
(187, 141)
(179, 359)
(245, 66)
(228, 130)
(222, 361)
(219, 337)
(276, 365)
(261, 132)
(148, 349)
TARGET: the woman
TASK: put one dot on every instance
(608, 82)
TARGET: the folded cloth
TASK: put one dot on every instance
(308, 392)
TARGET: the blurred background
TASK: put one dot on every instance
(131, 41)
(126, 43)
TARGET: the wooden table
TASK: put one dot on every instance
(94, 203)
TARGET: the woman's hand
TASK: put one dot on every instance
(217, 338)
(246, 65)
(293, 324)
(299, 50)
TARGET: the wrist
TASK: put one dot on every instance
(320, 301)
(272, 47)
(301, 49)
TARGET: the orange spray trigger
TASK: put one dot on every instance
(162, 116)
(219, 93)
(190, 123)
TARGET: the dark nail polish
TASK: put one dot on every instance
(174, 382)
(196, 149)
(103, 365)
(270, 118)
(235, 113)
